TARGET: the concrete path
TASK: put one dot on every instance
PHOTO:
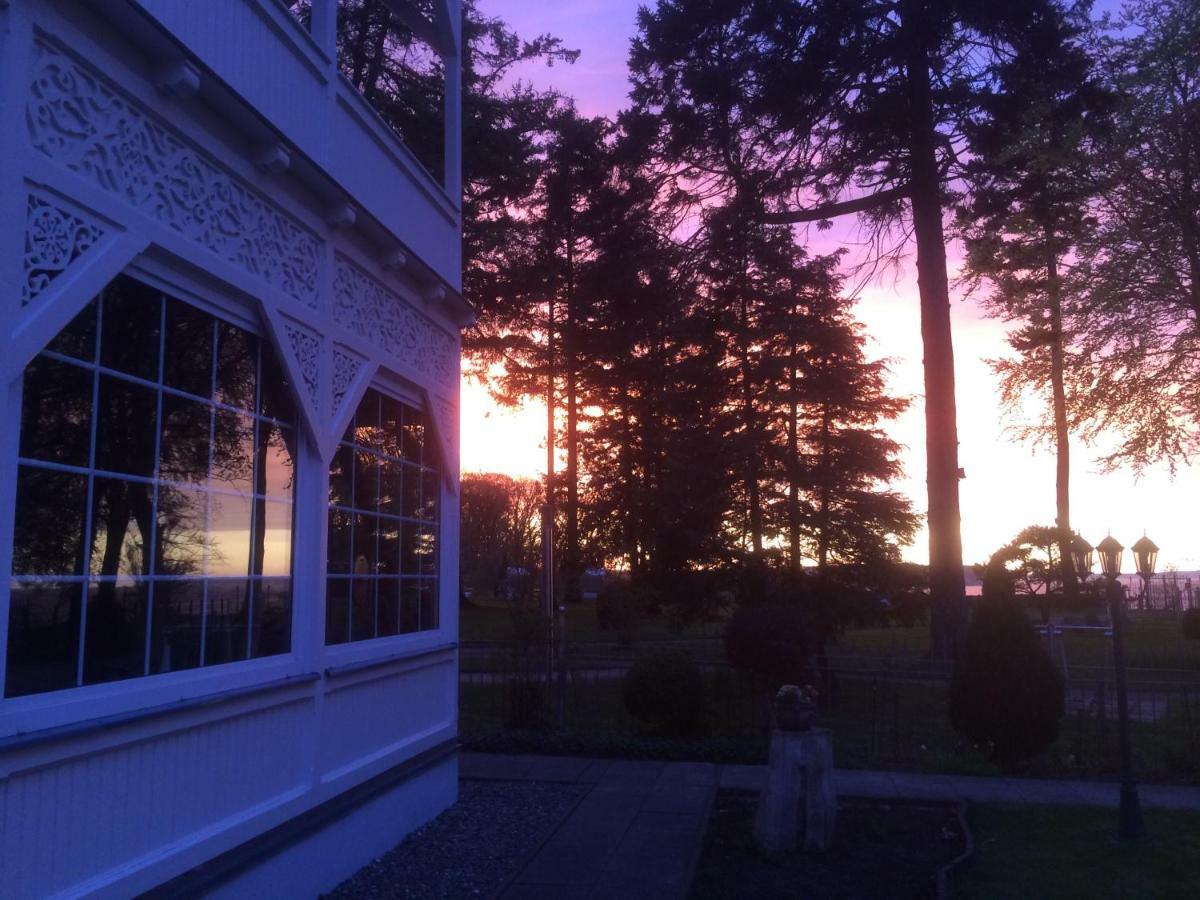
(856, 782)
(636, 835)
(638, 832)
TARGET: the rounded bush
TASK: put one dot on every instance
(1191, 624)
(1005, 691)
(665, 691)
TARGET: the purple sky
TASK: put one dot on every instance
(1008, 485)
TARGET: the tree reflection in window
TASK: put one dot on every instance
(154, 507)
(384, 491)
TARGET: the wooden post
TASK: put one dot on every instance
(798, 804)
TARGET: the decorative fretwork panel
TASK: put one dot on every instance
(367, 307)
(77, 118)
(305, 346)
(346, 368)
(54, 238)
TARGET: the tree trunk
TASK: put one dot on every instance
(823, 497)
(946, 581)
(793, 439)
(753, 499)
(1062, 437)
(570, 564)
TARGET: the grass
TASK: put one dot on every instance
(491, 621)
(1069, 852)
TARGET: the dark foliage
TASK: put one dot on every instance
(1190, 623)
(1005, 692)
(773, 641)
(666, 692)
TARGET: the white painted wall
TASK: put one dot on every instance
(111, 789)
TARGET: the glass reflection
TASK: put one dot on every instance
(390, 487)
(130, 317)
(125, 427)
(426, 551)
(366, 422)
(188, 350)
(114, 642)
(185, 444)
(56, 412)
(389, 547)
(410, 549)
(43, 637)
(182, 535)
(225, 627)
(122, 519)
(338, 562)
(48, 529)
(391, 425)
(337, 610)
(233, 451)
(229, 537)
(271, 629)
(341, 477)
(410, 504)
(414, 434)
(389, 606)
(366, 480)
(237, 367)
(78, 339)
(431, 486)
(272, 538)
(410, 605)
(429, 604)
(364, 544)
(362, 609)
(276, 459)
(275, 392)
(176, 625)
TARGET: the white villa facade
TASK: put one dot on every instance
(228, 450)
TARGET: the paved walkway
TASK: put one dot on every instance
(637, 833)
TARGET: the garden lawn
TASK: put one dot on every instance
(491, 621)
(1065, 852)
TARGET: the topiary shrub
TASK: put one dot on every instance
(1005, 692)
(1190, 623)
(666, 692)
(772, 641)
(619, 606)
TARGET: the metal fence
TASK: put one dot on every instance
(885, 712)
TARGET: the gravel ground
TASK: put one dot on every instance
(471, 849)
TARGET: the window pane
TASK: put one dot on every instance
(414, 434)
(273, 538)
(176, 624)
(410, 504)
(339, 560)
(389, 606)
(366, 480)
(43, 637)
(233, 452)
(366, 422)
(427, 551)
(237, 366)
(79, 338)
(114, 644)
(410, 549)
(227, 620)
(272, 626)
(390, 487)
(185, 442)
(341, 474)
(125, 427)
(429, 605)
(56, 412)
(410, 605)
(430, 489)
(129, 340)
(188, 350)
(364, 544)
(182, 531)
(121, 522)
(229, 552)
(48, 531)
(391, 423)
(337, 611)
(277, 445)
(362, 609)
(389, 547)
(275, 398)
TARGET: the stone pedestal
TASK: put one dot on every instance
(798, 803)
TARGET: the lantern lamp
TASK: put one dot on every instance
(1081, 556)
(1145, 555)
(1110, 551)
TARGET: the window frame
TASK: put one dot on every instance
(387, 647)
(50, 709)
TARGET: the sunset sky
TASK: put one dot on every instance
(1008, 484)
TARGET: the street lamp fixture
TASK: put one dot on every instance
(1145, 555)
(1130, 825)
(1110, 551)
(1081, 555)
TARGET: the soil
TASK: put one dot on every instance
(882, 849)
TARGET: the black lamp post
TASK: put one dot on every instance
(1130, 825)
(1145, 555)
(1081, 555)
